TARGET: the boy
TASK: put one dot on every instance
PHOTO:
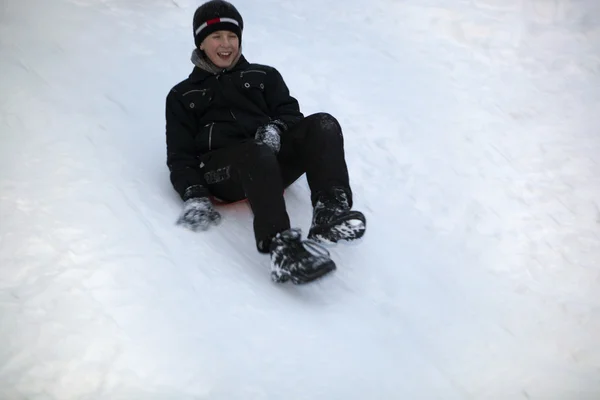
(234, 132)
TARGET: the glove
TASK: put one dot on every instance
(269, 134)
(198, 214)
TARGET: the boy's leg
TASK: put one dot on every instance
(250, 171)
(315, 145)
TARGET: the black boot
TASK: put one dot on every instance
(300, 261)
(333, 220)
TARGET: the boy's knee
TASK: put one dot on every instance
(326, 122)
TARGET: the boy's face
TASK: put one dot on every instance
(221, 47)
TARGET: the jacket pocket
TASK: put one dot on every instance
(197, 98)
(252, 71)
(205, 137)
(252, 86)
(253, 79)
(210, 126)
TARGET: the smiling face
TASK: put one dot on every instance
(221, 47)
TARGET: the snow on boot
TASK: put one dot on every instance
(333, 220)
(300, 261)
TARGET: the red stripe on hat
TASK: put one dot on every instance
(213, 21)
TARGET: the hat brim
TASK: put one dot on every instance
(222, 24)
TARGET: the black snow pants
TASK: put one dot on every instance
(252, 171)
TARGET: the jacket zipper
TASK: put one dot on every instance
(252, 70)
(195, 90)
(210, 136)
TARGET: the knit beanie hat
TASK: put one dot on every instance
(216, 15)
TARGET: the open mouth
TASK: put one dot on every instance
(224, 54)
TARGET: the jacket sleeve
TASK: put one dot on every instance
(182, 157)
(283, 106)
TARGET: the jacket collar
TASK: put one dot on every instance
(203, 68)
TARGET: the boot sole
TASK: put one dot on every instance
(350, 227)
(317, 274)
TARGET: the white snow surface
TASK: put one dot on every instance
(471, 131)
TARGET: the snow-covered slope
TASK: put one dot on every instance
(472, 141)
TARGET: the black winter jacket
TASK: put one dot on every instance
(207, 111)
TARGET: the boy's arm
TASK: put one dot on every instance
(182, 158)
(283, 106)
